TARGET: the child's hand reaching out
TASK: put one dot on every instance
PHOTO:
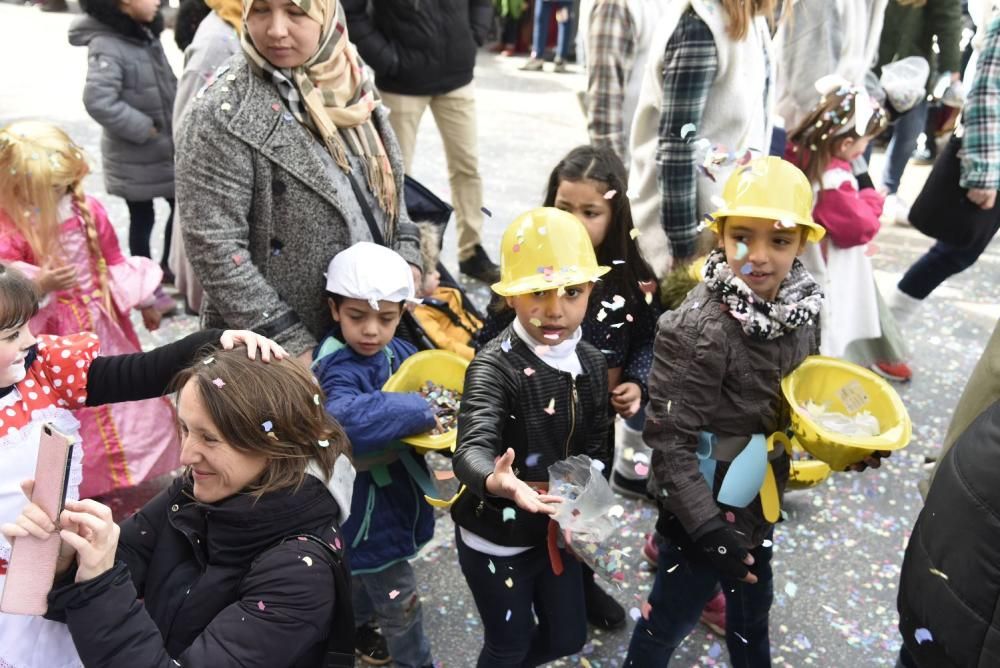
(626, 399)
(502, 482)
(151, 318)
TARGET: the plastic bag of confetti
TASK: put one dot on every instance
(590, 514)
(859, 424)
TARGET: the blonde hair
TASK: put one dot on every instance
(39, 163)
(830, 122)
(741, 14)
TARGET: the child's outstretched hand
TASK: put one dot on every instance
(151, 318)
(626, 399)
(252, 341)
(872, 462)
(503, 482)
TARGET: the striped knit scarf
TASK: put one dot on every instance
(333, 95)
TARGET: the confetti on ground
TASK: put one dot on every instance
(791, 589)
(609, 194)
(509, 514)
(551, 408)
(218, 382)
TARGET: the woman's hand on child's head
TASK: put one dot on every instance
(268, 348)
(33, 521)
(503, 482)
(56, 279)
(872, 462)
(626, 399)
(151, 318)
(90, 529)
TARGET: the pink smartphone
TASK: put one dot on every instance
(32, 566)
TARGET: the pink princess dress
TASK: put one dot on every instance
(123, 444)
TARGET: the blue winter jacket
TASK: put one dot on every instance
(390, 520)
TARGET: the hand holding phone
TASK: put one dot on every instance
(37, 549)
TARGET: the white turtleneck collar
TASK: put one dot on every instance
(561, 356)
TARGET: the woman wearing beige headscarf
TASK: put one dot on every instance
(281, 161)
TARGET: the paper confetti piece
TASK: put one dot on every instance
(641, 470)
(444, 475)
(529, 372)
(585, 662)
(786, 223)
(629, 318)
(616, 262)
(766, 543)
(393, 594)
(923, 635)
(741, 638)
(673, 568)
(551, 408)
(505, 345)
(509, 514)
(261, 606)
(307, 560)
(610, 194)
(635, 614)
(746, 269)
(633, 233)
(218, 382)
(741, 250)
(267, 425)
(938, 573)
(509, 582)
(316, 399)
(601, 315)
(686, 129)
(493, 569)
(323, 443)
(616, 511)
(532, 459)
(208, 361)
(486, 211)
(791, 589)
(507, 618)
(730, 517)
(536, 322)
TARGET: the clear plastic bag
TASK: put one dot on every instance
(590, 513)
(905, 82)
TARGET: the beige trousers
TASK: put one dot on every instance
(455, 116)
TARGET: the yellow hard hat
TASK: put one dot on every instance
(770, 188)
(544, 249)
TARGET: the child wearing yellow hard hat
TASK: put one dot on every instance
(534, 395)
(714, 393)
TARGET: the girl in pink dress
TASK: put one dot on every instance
(62, 240)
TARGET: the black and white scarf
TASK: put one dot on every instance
(798, 302)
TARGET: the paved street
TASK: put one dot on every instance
(837, 555)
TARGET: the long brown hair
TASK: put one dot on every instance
(830, 122)
(741, 14)
(39, 163)
(275, 410)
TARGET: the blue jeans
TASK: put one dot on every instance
(680, 592)
(540, 34)
(904, 140)
(512, 638)
(400, 616)
(941, 262)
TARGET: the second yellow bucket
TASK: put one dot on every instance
(442, 367)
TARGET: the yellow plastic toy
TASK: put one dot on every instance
(849, 389)
(806, 473)
(439, 366)
(545, 249)
(771, 188)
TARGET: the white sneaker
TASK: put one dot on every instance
(897, 210)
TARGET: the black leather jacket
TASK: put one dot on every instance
(504, 407)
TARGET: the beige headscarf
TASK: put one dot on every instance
(336, 94)
(230, 11)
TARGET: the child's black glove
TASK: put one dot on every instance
(722, 549)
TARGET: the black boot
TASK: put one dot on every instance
(370, 646)
(603, 611)
(480, 266)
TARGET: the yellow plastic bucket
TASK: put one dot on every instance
(438, 366)
(846, 388)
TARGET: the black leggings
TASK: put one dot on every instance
(142, 217)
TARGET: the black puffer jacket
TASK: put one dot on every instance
(949, 588)
(203, 605)
(504, 407)
(419, 47)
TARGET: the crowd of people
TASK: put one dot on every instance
(714, 233)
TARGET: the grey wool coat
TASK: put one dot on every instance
(262, 215)
(130, 90)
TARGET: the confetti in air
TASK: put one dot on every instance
(218, 382)
(551, 408)
(486, 211)
(509, 514)
(746, 269)
(610, 194)
(393, 594)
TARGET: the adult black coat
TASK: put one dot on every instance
(419, 47)
(203, 604)
(949, 590)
